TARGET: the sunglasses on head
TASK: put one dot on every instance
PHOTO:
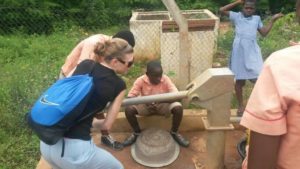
(129, 64)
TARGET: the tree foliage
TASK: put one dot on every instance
(30, 16)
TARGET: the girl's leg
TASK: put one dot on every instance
(239, 84)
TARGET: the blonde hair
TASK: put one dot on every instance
(114, 48)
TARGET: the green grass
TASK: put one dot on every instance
(29, 64)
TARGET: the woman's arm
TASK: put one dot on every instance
(225, 9)
(112, 113)
(263, 151)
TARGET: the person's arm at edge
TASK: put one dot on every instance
(265, 118)
(225, 9)
(263, 151)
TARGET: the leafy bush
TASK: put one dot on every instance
(42, 17)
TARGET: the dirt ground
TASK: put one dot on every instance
(192, 157)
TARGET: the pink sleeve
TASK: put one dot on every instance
(264, 112)
(84, 50)
(72, 59)
(136, 88)
(89, 46)
(87, 51)
(170, 85)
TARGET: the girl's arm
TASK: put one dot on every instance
(266, 29)
(225, 9)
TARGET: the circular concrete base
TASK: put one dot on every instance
(155, 148)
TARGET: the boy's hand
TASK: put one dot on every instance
(277, 16)
(152, 107)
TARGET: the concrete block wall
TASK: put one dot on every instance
(191, 121)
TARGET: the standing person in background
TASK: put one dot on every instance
(154, 82)
(113, 57)
(273, 112)
(246, 59)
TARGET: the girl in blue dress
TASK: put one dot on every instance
(246, 59)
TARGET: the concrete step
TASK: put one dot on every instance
(191, 121)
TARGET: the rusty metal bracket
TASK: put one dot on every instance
(214, 128)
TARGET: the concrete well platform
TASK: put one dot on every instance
(191, 121)
(193, 157)
(192, 128)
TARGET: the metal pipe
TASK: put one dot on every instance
(235, 119)
(216, 138)
(213, 88)
(155, 98)
(184, 43)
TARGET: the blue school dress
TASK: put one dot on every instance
(246, 59)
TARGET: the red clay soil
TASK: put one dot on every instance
(192, 157)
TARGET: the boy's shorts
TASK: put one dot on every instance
(163, 109)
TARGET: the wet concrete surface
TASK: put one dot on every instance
(193, 157)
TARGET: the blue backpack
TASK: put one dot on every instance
(60, 107)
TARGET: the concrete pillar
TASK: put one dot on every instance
(184, 44)
(213, 90)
